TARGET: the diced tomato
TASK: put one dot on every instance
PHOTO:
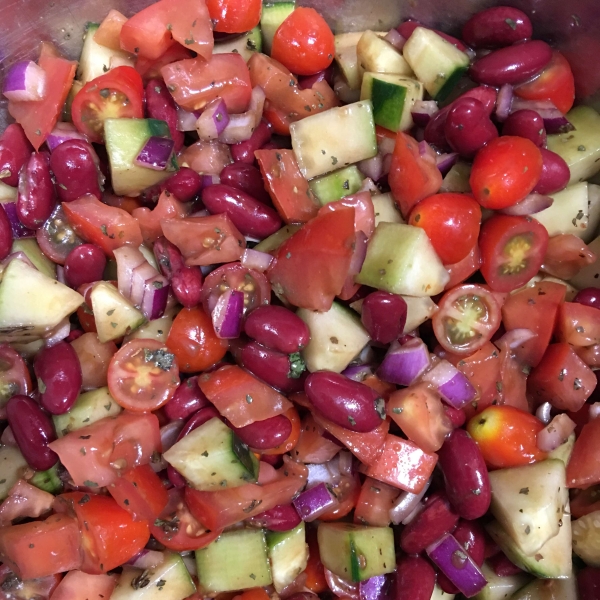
(77, 585)
(127, 203)
(381, 387)
(315, 572)
(190, 24)
(578, 324)
(310, 267)
(149, 68)
(194, 82)
(346, 490)
(255, 594)
(24, 500)
(512, 385)
(403, 465)
(312, 447)
(566, 255)
(95, 455)
(279, 120)
(145, 33)
(364, 211)
(374, 503)
(234, 16)
(109, 32)
(41, 548)
(534, 308)
(583, 468)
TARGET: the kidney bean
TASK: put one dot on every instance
(486, 94)
(434, 133)
(33, 430)
(512, 65)
(246, 177)
(415, 579)
(555, 173)
(471, 536)
(198, 418)
(187, 286)
(502, 566)
(185, 184)
(266, 434)
(384, 316)
(468, 128)
(168, 257)
(36, 197)
(588, 583)
(15, 151)
(84, 264)
(250, 216)
(282, 517)
(438, 517)
(347, 403)
(59, 377)
(6, 234)
(496, 27)
(456, 415)
(160, 105)
(187, 400)
(75, 165)
(528, 124)
(589, 296)
(465, 475)
(278, 328)
(244, 151)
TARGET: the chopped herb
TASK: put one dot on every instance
(334, 160)
(251, 45)
(380, 407)
(157, 89)
(84, 499)
(351, 420)
(169, 26)
(161, 358)
(188, 41)
(527, 530)
(62, 186)
(89, 483)
(160, 584)
(104, 230)
(32, 545)
(126, 502)
(113, 324)
(288, 255)
(499, 386)
(38, 132)
(141, 581)
(136, 50)
(104, 92)
(524, 491)
(512, 24)
(108, 406)
(476, 491)
(83, 451)
(562, 374)
(297, 366)
(581, 148)
(397, 411)
(252, 576)
(205, 453)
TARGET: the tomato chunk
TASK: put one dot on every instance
(583, 469)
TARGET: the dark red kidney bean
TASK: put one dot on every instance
(465, 475)
(15, 151)
(555, 173)
(36, 197)
(187, 286)
(405, 30)
(168, 257)
(58, 372)
(435, 133)
(384, 316)
(589, 296)
(496, 27)
(251, 217)
(468, 127)
(486, 94)
(527, 124)
(185, 185)
(175, 477)
(187, 400)
(457, 416)
(347, 403)
(437, 518)
(33, 430)
(275, 460)
(160, 105)
(84, 264)
(75, 165)
(502, 566)
(266, 434)
(512, 65)
(6, 234)
(278, 328)
(446, 585)
(588, 583)
(307, 81)
(415, 579)
(244, 151)
(471, 536)
(282, 517)
(198, 418)
(246, 177)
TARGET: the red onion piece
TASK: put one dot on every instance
(368, 185)
(543, 413)
(209, 180)
(406, 504)
(358, 372)
(554, 120)
(306, 82)
(155, 297)
(128, 259)
(445, 162)
(312, 503)
(156, 153)
(341, 587)
(422, 111)
(372, 167)
(456, 564)
(555, 433)
(227, 314)
(58, 333)
(145, 272)
(63, 132)
(186, 120)
(515, 337)
(328, 473)
(453, 386)
(425, 148)
(534, 203)
(379, 587)
(254, 259)
(242, 126)
(18, 229)
(24, 82)
(213, 120)
(394, 37)
(403, 364)
(504, 102)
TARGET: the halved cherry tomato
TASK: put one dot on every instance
(506, 436)
(505, 171)
(290, 443)
(467, 318)
(512, 251)
(374, 503)
(118, 94)
(143, 375)
(233, 16)
(463, 269)
(346, 491)
(14, 375)
(452, 223)
(578, 324)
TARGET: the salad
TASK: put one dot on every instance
(286, 314)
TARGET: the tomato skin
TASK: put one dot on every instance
(304, 43)
(463, 269)
(583, 469)
(506, 436)
(512, 251)
(374, 503)
(145, 33)
(194, 342)
(150, 68)
(578, 324)
(77, 585)
(168, 207)
(233, 16)
(505, 171)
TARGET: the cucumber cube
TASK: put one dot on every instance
(378, 55)
(569, 212)
(386, 210)
(288, 553)
(31, 249)
(337, 185)
(346, 57)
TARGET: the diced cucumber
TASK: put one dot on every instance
(580, 148)
(212, 457)
(12, 468)
(347, 59)
(95, 60)
(124, 140)
(48, 480)
(288, 553)
(436, 63)
(586, 538)
(30, 248)
(88, 408)
(334, 138)
(356, 552)
(440, 594)
(386, 210)
(272, 16)
(114, 315)
(7, 193)
(170, 579)
(237, 560)
(336, 338)
(418, 310)
(379, 56)
(336, 185)
(157, 329)
(564, 451)
(66, 112)
(568, 213)
(400, 259)
(528, 502)
(393, 97)
(589, 276)
(23, 318)
(549, 589)
(275, 240)
(245, 45)
(500, 588)
(457, 178)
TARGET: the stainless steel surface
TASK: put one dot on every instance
(572, 25)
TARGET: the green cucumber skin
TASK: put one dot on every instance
(387, 105)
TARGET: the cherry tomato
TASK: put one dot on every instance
(56, 237)
(512, 251)
(234, 16)
(452, 223)
(467, 318)
(14, 376)
(143, 375)
(505, 171)
(304, 43)
(194, 342)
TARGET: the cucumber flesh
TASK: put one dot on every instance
(586, 538)
(271, 243)
(569, 212)
(31, 249)
(549, 589)
(272, 16)
(48, 480)
(245, 45)
(564, 451)
(337, 185)
(288, 553)
(7, 193)
(386, 210)
(13, 467)
(500, 588)
(379, 56)
(346, 58)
